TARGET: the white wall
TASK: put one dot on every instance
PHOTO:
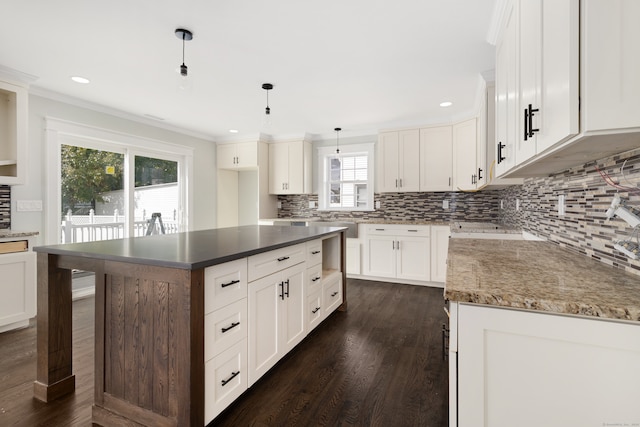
(204, 161)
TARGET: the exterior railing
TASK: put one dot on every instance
(91, 228)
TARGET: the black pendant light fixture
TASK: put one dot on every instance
(185, 36)
(267, 111)
(337, 139)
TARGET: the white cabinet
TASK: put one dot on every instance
(353, 256)
(18, 284)
(532, 369)
(436, 158)
(290, 167)
(13, 132)
(465, 171)
(237, 156)
(439, 249)
(400, 252)
(276, 313)
(399, 161)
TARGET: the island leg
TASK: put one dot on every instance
(54, 341)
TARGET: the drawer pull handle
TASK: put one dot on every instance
(334, 294)
(379, 229)
(227, 381)
(413, 231)
(315, 279)
(316, 310)
(233, 282)
(315, 252)
(283, 258)
(233, 325)
(287, 291)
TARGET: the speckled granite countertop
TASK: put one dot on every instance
(10, 234)
(539, 276)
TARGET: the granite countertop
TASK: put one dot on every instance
(194, 249)
(9, 234)
(364, 221)
(539, 276)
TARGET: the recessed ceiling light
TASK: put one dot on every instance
(233, 130)
(446, 104)
(79, 79)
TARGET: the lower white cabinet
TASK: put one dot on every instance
(439, 248)
(18, 285)
(396, 251)
(353, 256)
(276, 318)
(331, 294)
(532, 369)
(225, 379)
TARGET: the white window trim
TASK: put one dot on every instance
(324, 153)
(59, 132)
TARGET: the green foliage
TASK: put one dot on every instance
(150, 171)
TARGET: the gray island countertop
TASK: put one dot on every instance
(539, 276)
(193, 249)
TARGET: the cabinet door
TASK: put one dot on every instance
(577, 370)
(295, 182)
(226, 156)
(381, 257)
(332, 294)
(388, 173)
(409, 160)
(353, 256)
(14, 113)
(292, 316)
(413, 259)
(225, 378)
(278, 168)
(17, 287)
(439, 248)
(436, 158)
(464, 157)
(265, 304)
(247, 155)
(507, 127)
(610, 87)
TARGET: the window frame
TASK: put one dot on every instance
(324, 182)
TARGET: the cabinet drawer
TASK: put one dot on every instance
(314, 310)
(332, 294)
(225, 378)
(398, 230)
(267, 263)
(11, 247)
(314, 278)
(416, 230)
(224, 284)
(224, 327)
(314, 252)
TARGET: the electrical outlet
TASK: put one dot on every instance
(445, 204)
(501, 203)
(561, 205)
(312, 204)
(377, 204)
(517, 204)
(279, 205)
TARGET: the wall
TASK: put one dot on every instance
(480, 206)
(204, 206)
(584, 227)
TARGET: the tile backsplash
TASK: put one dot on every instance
(5, 207)
(480, 206)
(584, 227)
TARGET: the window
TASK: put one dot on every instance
(346, 182)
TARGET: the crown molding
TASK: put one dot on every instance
(497, 17)
(14, 74)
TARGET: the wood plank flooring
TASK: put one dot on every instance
(377, 364)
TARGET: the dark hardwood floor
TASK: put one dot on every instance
(377, 364)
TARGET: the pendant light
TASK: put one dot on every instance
(185, 36)
(337, 139)
(267, 111)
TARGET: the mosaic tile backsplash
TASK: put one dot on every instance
(5, 207)
(584, 227)
(480, 206)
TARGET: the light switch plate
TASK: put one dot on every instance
(377, 204)
(29, 206)
(445, 204)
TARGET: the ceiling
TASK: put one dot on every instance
(363, 65)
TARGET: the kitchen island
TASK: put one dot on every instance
(540, 335)
(152, 297)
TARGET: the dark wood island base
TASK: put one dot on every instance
(149, 322)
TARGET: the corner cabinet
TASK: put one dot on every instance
(566, 84)
(399, 161)
(290, 167)
(436, 158)
(465, 170)
(13, 132)
(529, 368)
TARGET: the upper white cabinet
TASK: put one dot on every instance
(566, 84)
(237, 155)
(436, 158)
(465, 171)
(290, 167)
(399, 161)
(13, 132)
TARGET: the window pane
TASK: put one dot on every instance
(360, 175)
(349, 175)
